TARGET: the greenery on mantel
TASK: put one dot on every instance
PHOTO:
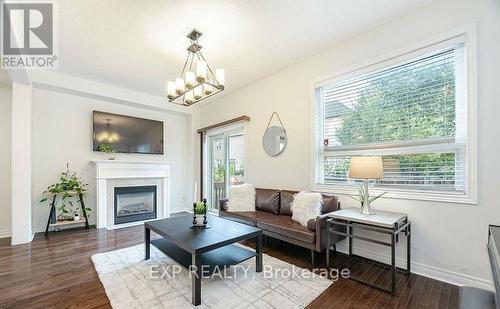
(68, 186)
(108, 149)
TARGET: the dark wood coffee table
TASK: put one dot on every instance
(213, 247)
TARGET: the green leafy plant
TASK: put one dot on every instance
(106, 148)
(361, 196)
(200, 208)
(218, 172)
(70, 186)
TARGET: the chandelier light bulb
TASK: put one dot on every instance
(190, 79)
(170, 90)
(179, 86)
(201, 71)
(207, 89)
(188, 97)
(198, 92)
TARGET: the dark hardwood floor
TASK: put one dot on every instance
(58, 273)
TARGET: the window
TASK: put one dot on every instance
(411, 110)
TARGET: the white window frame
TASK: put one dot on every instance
(466, 34)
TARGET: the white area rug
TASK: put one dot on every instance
(128, 283)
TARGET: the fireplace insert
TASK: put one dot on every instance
(135, 203)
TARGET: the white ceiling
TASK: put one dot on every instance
(141, 44)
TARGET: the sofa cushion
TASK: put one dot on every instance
(241, 198)
(286, 200)
(267, 200)
(246, 217)
(330, 203)
(284, 225)
(306, 206)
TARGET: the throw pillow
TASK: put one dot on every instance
(306, 206)
(241, 198)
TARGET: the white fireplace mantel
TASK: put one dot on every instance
(108, 171)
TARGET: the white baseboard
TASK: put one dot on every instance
(4, 233)
(424, 270)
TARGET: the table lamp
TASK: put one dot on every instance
(366, 168)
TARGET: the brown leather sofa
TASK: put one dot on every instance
(273, 215)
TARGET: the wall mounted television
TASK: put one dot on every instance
(128, 134)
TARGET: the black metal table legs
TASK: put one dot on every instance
(408, 247)
(196, 279)
(393, 264)
(51, 215)
(147, 243)
(258, 252)
(82, 204)
(393, 232)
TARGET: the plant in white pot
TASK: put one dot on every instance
(200, 211)
(362, 198)
(109, 150)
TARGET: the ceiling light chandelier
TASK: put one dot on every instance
(197, 80)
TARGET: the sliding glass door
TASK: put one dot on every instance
(225, 164)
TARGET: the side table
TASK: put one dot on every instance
(383, 222)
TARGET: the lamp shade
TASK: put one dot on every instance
(366, 168)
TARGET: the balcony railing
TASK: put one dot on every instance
(219, 193)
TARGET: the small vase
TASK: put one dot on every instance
(199, 220)
(111, 156)
(366, 209)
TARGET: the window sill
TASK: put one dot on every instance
(443, 197)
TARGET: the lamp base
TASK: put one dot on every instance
(365, 206)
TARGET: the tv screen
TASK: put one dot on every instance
(128, 134)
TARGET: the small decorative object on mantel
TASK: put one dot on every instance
(275, 139)
(108, 149)
(366, 168)
(200, 215)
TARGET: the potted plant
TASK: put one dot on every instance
(69, 185)
(361, 197)
(200, 211)
(108, 149)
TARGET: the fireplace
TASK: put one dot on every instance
(135, 203)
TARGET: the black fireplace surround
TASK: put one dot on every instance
(142, 203)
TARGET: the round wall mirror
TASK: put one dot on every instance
(274, 140)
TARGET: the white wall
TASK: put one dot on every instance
(62, 132)
(5, 117)
(21, 140)
(448, 239)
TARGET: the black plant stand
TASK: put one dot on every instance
(52, 220)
